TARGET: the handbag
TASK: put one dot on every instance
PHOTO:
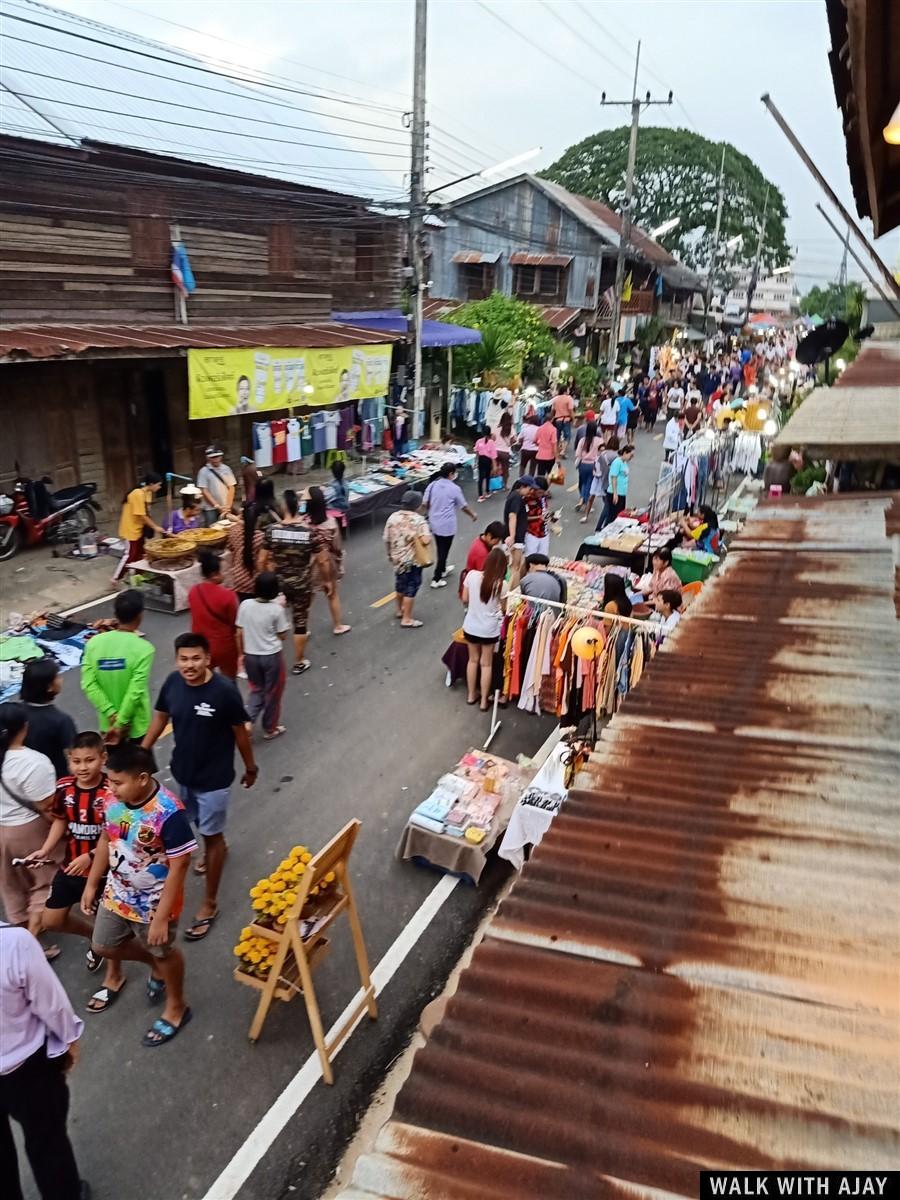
(422, 551)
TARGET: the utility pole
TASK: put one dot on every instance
(842, 276)
(714, 254)
(754, 274)
(417, 204)
(627, 207)
(892, 303)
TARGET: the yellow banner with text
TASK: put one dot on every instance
(226, 383)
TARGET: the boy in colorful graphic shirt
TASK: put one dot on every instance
(146, 847)
(77, 816)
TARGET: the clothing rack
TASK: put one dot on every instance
(517, 596)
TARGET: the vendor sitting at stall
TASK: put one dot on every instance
(661, 575)
(668, 610)
(190, 515)
(700, 530)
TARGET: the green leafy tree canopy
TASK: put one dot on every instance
(676, 175)
(515, 336)
(835, 301)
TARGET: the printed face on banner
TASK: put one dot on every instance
(224, 383)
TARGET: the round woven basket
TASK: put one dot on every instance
(168, 550)
(206, 539)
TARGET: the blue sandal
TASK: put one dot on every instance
(162, 1031)
(156, 989)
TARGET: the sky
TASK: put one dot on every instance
(505, 76)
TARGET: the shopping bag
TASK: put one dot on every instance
(557, 475)
(422, 552)
(495, 483)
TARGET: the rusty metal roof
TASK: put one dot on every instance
(698, 967)
(557, 317)
(522, 258)
(23, 342)
(878, 365)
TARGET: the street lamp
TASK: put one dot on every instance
(666, 227)
(564, 366)
(488, 172)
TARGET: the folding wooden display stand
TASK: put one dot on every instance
(296, 957)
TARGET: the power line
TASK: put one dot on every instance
(187, 62)
(542, 50)
(580, 36)
(234, 94)
(168, 121)
(102, 87)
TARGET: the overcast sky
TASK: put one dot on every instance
(494, 92)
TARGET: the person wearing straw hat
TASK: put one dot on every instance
(189, 515)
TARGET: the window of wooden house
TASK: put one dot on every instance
(476, 280)
(551, 285)
(282, 248)
(364, 270)
(525, 281)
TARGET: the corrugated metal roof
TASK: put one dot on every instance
(849, 423)
(522, 258)
(698, 967)
(878, 365)
(474, 258)
(558, 318)
(57, 341)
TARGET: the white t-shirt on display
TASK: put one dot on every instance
(28, 774)
(332, 421)
(293, 440)
(262, 444)
(482, 620)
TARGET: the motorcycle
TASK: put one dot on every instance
(33, 514)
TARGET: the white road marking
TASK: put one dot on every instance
(270, 1125)
(68, 612)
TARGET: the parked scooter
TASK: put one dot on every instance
(33, 514)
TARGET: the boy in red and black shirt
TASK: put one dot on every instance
(77, 816)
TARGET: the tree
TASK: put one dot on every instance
(845, 302)
(514, 337)
(676, 175)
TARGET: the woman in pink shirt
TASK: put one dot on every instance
(547, 442)
(585, 457)
(486, 452)
(529, 434)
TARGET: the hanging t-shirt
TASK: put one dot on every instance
(262, 444)
(332, 421)
(317, 422)
(306, 440)
(279, 441)
(293, 440)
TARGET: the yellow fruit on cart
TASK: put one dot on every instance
(259, 905)
(300, 869)
(285, 864)
(306, 856)
(263, 884)
(254, 956)
(279, 886)
(281, 920)
(246, 932)
(330, 877)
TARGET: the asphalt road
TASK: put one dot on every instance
(371, 727)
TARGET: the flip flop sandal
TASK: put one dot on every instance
(300, 667)
(162, 1031)
(52, 953)
(411, 625)
(342, 630)
(106, 998)
(203, 924)
(156, 990)
(276, 732)
(200, 868)
(94, 961)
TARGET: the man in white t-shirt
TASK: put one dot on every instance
(673, 435)
(217, 483)
(675, 399)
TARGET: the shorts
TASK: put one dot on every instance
(66, 890)
(111, 930)
(408, 580)
(207, 810)
(563, 428)
(537, 545)
(475, 639)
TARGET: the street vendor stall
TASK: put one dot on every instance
(35, 637)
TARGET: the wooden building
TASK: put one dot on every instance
(94, 383)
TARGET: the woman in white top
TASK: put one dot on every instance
(484, 594)
(27, 789)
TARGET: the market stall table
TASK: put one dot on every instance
(430, 845)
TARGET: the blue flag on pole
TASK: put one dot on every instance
(659, 285)
(182, 275)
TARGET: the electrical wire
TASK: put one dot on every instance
(579, 34)
(185, 62)
(102, 87)
(542, 50)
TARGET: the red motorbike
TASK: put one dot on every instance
(32, 514)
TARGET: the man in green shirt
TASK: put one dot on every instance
(115, 673)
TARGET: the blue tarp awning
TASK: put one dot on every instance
(392, 320)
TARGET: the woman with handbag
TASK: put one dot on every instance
(410, 549)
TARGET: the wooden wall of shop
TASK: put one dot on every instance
(85, 238)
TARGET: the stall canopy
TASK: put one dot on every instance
(435, 334)
(849, 424)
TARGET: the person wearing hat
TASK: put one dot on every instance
(216, 482)
(189, 515)
(405, 532)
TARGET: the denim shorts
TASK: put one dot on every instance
(207, 810)
(408, 581)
